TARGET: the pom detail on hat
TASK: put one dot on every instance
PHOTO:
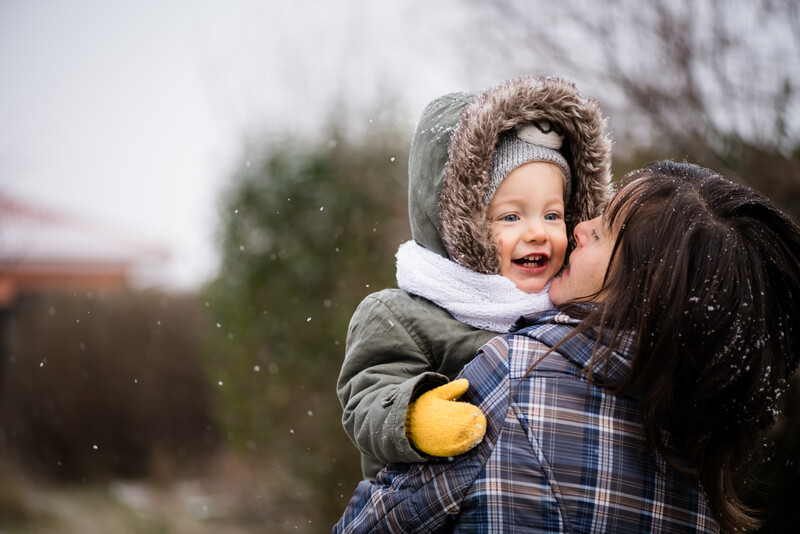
(540, 133)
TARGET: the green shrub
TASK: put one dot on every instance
(306, 234)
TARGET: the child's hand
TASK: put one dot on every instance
(438, 425)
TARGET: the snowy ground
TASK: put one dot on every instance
(236, 497)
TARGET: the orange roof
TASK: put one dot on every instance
(39, 246)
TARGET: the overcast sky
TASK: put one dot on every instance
(131, 113)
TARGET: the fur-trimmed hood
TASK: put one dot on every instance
(451, 158)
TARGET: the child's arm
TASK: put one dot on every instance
(383, 368)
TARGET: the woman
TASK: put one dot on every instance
(635, 406)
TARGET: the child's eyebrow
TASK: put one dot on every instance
(511, 201)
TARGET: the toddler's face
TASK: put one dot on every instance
(526, 216)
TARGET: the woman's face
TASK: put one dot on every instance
(587, 263)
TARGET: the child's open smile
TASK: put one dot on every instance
(527, 221)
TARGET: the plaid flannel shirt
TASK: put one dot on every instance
(560, 454)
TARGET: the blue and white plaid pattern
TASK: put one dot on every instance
(560, 454)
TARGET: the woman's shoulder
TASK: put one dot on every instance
(535, 341)
(553, 341)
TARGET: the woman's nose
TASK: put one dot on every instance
(581, 232)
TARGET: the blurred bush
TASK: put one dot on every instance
(308, 231)
(97, 385)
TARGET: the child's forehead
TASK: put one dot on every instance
(536, 174)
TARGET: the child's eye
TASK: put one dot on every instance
(552, 217)
(509, 218)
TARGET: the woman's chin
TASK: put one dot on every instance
(558, 288)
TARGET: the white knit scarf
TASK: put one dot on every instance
(486, 301)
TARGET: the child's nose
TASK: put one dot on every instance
(535, 231)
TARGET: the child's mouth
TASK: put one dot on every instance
(531, 261)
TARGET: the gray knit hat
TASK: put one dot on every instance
(534, 141)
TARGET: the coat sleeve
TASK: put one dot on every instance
(384, 367)
(428, 497)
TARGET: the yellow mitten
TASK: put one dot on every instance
(438, 425)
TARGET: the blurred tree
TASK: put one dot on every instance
(307, 231)
(717, 83)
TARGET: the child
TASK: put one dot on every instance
(469, 273)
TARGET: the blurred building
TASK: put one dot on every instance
(41, 249)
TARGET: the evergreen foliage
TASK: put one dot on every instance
(307, 232)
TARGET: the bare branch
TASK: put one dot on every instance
(716, 81)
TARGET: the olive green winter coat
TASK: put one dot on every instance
(400, 345)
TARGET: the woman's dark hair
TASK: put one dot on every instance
(707, 273)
